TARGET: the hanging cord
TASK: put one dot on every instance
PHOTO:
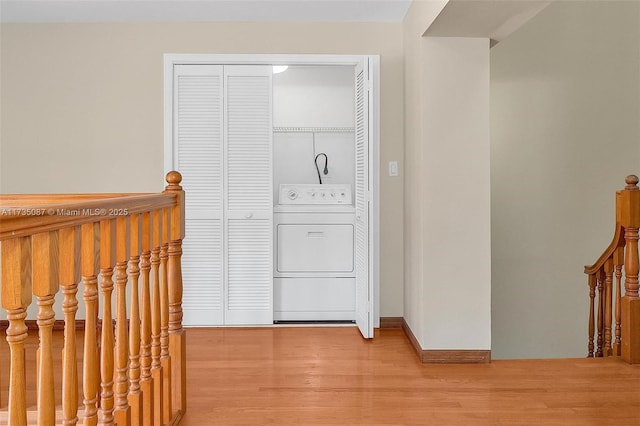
(326, 164)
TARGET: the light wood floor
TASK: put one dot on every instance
(306, 376)
(310, 376)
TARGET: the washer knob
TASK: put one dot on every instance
(292, 195)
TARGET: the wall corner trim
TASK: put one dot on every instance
(446, 356)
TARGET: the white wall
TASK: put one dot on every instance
(456, 194)
(565, 131)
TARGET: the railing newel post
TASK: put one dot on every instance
(177, 334)
(16, 297)
(630, 303)
(165, 359)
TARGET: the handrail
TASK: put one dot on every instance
(133, 374)
(616, 265)
(26, 219)
(618, 236)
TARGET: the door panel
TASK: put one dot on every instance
(249, 195)
(364, 294)
(198, 141)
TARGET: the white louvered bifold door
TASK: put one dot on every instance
(198, 154)
(249, 195)
(364, 291)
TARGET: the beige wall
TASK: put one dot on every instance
(456, 193)
(565, 125)
(420, 15)
(447, 216)
(82, 106)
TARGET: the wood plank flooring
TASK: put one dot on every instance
(329, 375)
(307, 376)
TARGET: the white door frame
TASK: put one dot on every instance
(287, 59)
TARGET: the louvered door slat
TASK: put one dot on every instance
(249, 192)
(202, 273)
(248, 141)
(198, 142)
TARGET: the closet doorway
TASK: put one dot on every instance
(262, 242)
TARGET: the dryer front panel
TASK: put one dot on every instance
(315, 248)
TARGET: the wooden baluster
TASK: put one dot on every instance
(45, 286)
(107, 263)
(122, 413)
(177, 335)
(592, 295)
(630, 303)
(156, 366)
(90, 373)
(69, 273)
(135, 393)
(600, 278)
(608, 270)
(16, 296)
(618, 261)
(165, 360)
(146, 383)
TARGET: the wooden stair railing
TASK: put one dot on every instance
(133, 368)
(614, 319)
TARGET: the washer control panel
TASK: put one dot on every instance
(315, 194)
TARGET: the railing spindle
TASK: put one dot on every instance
(45, 287)
(156, 367)
(122, 413)
(16, 297)
(135, 394)
(69, 270)
(608, 270)
(592, 295)
(146, 383)
(107, 263)
(618, 264)
(600, 278)
(90, 372)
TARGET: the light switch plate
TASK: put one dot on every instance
(393, 168)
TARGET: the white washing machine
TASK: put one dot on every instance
(314, 267)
